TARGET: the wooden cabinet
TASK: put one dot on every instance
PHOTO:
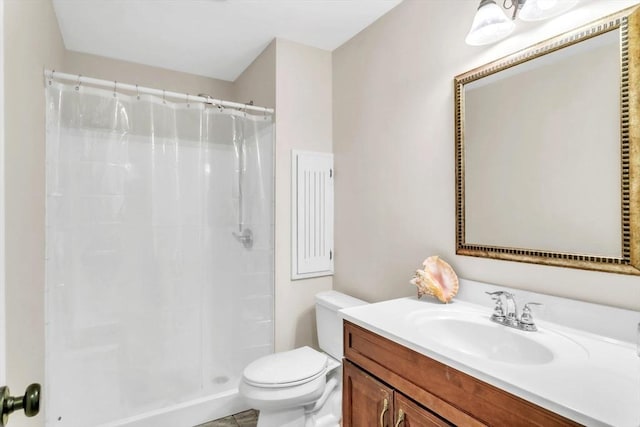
(389, 385)
(366, 401)
(369, 402)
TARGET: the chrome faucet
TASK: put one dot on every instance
(512, 315)
(511, 318)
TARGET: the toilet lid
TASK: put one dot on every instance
(287, 368)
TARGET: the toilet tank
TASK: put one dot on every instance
(329, 324)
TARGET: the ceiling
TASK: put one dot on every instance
(213, 38)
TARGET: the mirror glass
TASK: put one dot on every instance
(542, 153)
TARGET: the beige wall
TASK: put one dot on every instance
(257, 82)
(26, 55)
(127, 72)
(394, 154)
(304, 122)
(3, 350)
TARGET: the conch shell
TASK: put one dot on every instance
(436, 279)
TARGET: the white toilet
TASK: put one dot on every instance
(302, 387)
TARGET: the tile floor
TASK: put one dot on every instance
(243, 419)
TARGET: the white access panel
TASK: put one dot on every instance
(312, 214)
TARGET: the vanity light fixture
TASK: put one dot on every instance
(491, 23)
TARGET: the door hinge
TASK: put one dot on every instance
(330, 254)
(330, 173)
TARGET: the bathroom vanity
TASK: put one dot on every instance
(411, 362)
(422, 391)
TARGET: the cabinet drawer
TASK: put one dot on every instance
(453, 395)
(408, 414)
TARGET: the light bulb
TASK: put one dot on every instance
(490, 24)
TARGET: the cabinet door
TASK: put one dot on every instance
(366, 402)
(409, 414)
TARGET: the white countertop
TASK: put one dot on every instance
(597, 384)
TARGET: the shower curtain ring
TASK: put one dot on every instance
(78, 83)
(188, 106)
(164, 101)
(115, 86)
(137, 92)
(51, 77)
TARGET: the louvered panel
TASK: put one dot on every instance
(312, 214)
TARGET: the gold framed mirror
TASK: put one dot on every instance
(548, 151)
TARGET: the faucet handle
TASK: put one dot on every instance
(527, 309)
(495, 295)
(526, 320)
(498, 311)
(498, 294)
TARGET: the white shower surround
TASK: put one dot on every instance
(151, 304)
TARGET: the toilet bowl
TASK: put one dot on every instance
(302, 387)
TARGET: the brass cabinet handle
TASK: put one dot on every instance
(30, 403)
(385, 408)
(400, 417)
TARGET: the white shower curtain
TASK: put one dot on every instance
(150, 299)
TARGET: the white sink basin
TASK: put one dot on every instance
(475, 335)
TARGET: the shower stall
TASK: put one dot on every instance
(159, 256)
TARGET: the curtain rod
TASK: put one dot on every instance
(80, 79)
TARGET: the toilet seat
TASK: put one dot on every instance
(286, 369)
